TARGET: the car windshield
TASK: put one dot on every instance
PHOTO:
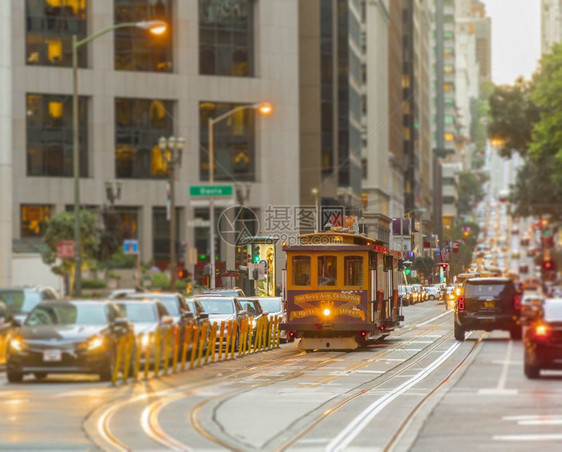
(250, 307)
(21, 301)
(139, 312)
(67, 314)
(553, 310)
(170, 301)
(224, 293)
(486, 289)
(271, 305)
(218, 306)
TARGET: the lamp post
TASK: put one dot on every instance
(315, 192)
(264, 108)
(173, 148)
(155, 27)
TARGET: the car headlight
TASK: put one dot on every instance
(144, 341)
(17, 344)
(94, 343)
(254, 323)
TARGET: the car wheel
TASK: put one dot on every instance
(459, 333)
(515, 334)
(531, 372)
(14, 376)
(40, 375)
(107, 372)
(431, 297)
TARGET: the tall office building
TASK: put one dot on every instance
(551, 24)
(134, 89)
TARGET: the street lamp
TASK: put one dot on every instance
(264, 108)
(155, 27)
(172, 147)
(315, 192)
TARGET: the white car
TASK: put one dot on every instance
(434, 292)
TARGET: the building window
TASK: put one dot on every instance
(449, 137)
(34, 220)
(161, 235)
(226, 37)
(139, 123)
(49, 135)
(234, 142)
(50, 25)
(128, 222)
(137, 49)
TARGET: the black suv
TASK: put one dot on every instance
(488, 304)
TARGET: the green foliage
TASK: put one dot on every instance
(460, 261)
(61, 227)
(513, 115)
(424, 265)
(109, 235)
(470, 191)
(93, 284)
(160, 281)
(119, 260)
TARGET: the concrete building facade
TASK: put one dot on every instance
(551, 24)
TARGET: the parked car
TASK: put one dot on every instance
(222, 308)
(274, 306)
(488, 304)
(403, 295)
(543, 340)
(76, 336)
(234, 292)
(254, 309)
(434, 292)
(22, 300)
(6, 327)
(201, 317)
(148, 316)
(175, 304)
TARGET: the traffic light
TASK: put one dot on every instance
(548, 265)
(181, 273)
(256, 254)
(407, 269)
(444, 265)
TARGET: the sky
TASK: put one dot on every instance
(516, 38)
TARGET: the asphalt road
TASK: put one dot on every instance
(418, 390)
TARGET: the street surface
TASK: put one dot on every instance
(418, 390)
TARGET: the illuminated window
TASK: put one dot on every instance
(128, 222)
(449, 137)
(405, 81)
(34, 220)
(447, 86)
(234, 142)
(301, 270)
(353, 267)
(139, 123)
(327, 270)
(226, 37)
(49, 135)
(137, 49)
(50, 25)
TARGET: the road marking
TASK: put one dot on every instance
(541, 422)
(358, 424)
(433, 319)
(503, 376)
(537, 437)
(371, 371)
(496, 391)
(420, 342)
(525, 417)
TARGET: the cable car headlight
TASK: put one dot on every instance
(327, 312)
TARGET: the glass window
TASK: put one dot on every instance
(128, 222)
(226, 37)
(50, 25)
(137, 49)
(301, 270)
(139, 123)
(68, 314)
(34, 220)
(475, 290)
(353, 270)
(139, 312)
(218, 306)
(20, 301)
(49, 135)
(234, 142)
(327, 270)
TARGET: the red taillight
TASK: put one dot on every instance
(541, 331)
(363, 333)
(461, 304)
(517, 302)
(291, 334)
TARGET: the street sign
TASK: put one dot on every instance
(65, 249)
(211, 191)
(131, 246)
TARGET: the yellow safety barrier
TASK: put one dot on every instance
(221, 339)
(157, 346)
(194, 343)
(212, 338)
(129, 342)
(148, 354)
(269, 332)
(176, 348)
(117, 362)
(202, 341)
(136, 366)
(167, 341)
(228, 338)
(250, 334)
(243, 336)
(278, 331)
(234, 335)
(188, 335)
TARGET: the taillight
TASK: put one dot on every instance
(517, 302)
(292, 334)
(363, 333)
(461, 304)
(541, 331)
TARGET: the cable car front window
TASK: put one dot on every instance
(327, 270)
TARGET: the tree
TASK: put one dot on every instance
(469, 190)
(424, 266)
(61, 227)
(513, 115)
(109, 235)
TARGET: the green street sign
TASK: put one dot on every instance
(210, 191)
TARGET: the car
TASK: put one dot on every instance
(488, 303)
(274, 306)
(201, 317)
(224, 309)
(121, 293)
(75, 336)
(150, 319)
(254, 309)
(234, 292)
(450, 297)
(523, 268)
(531, 305)
(543, 340)
(6, 327)
(23, 299)
(175, 304)
(402, 295)
(434, 292)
